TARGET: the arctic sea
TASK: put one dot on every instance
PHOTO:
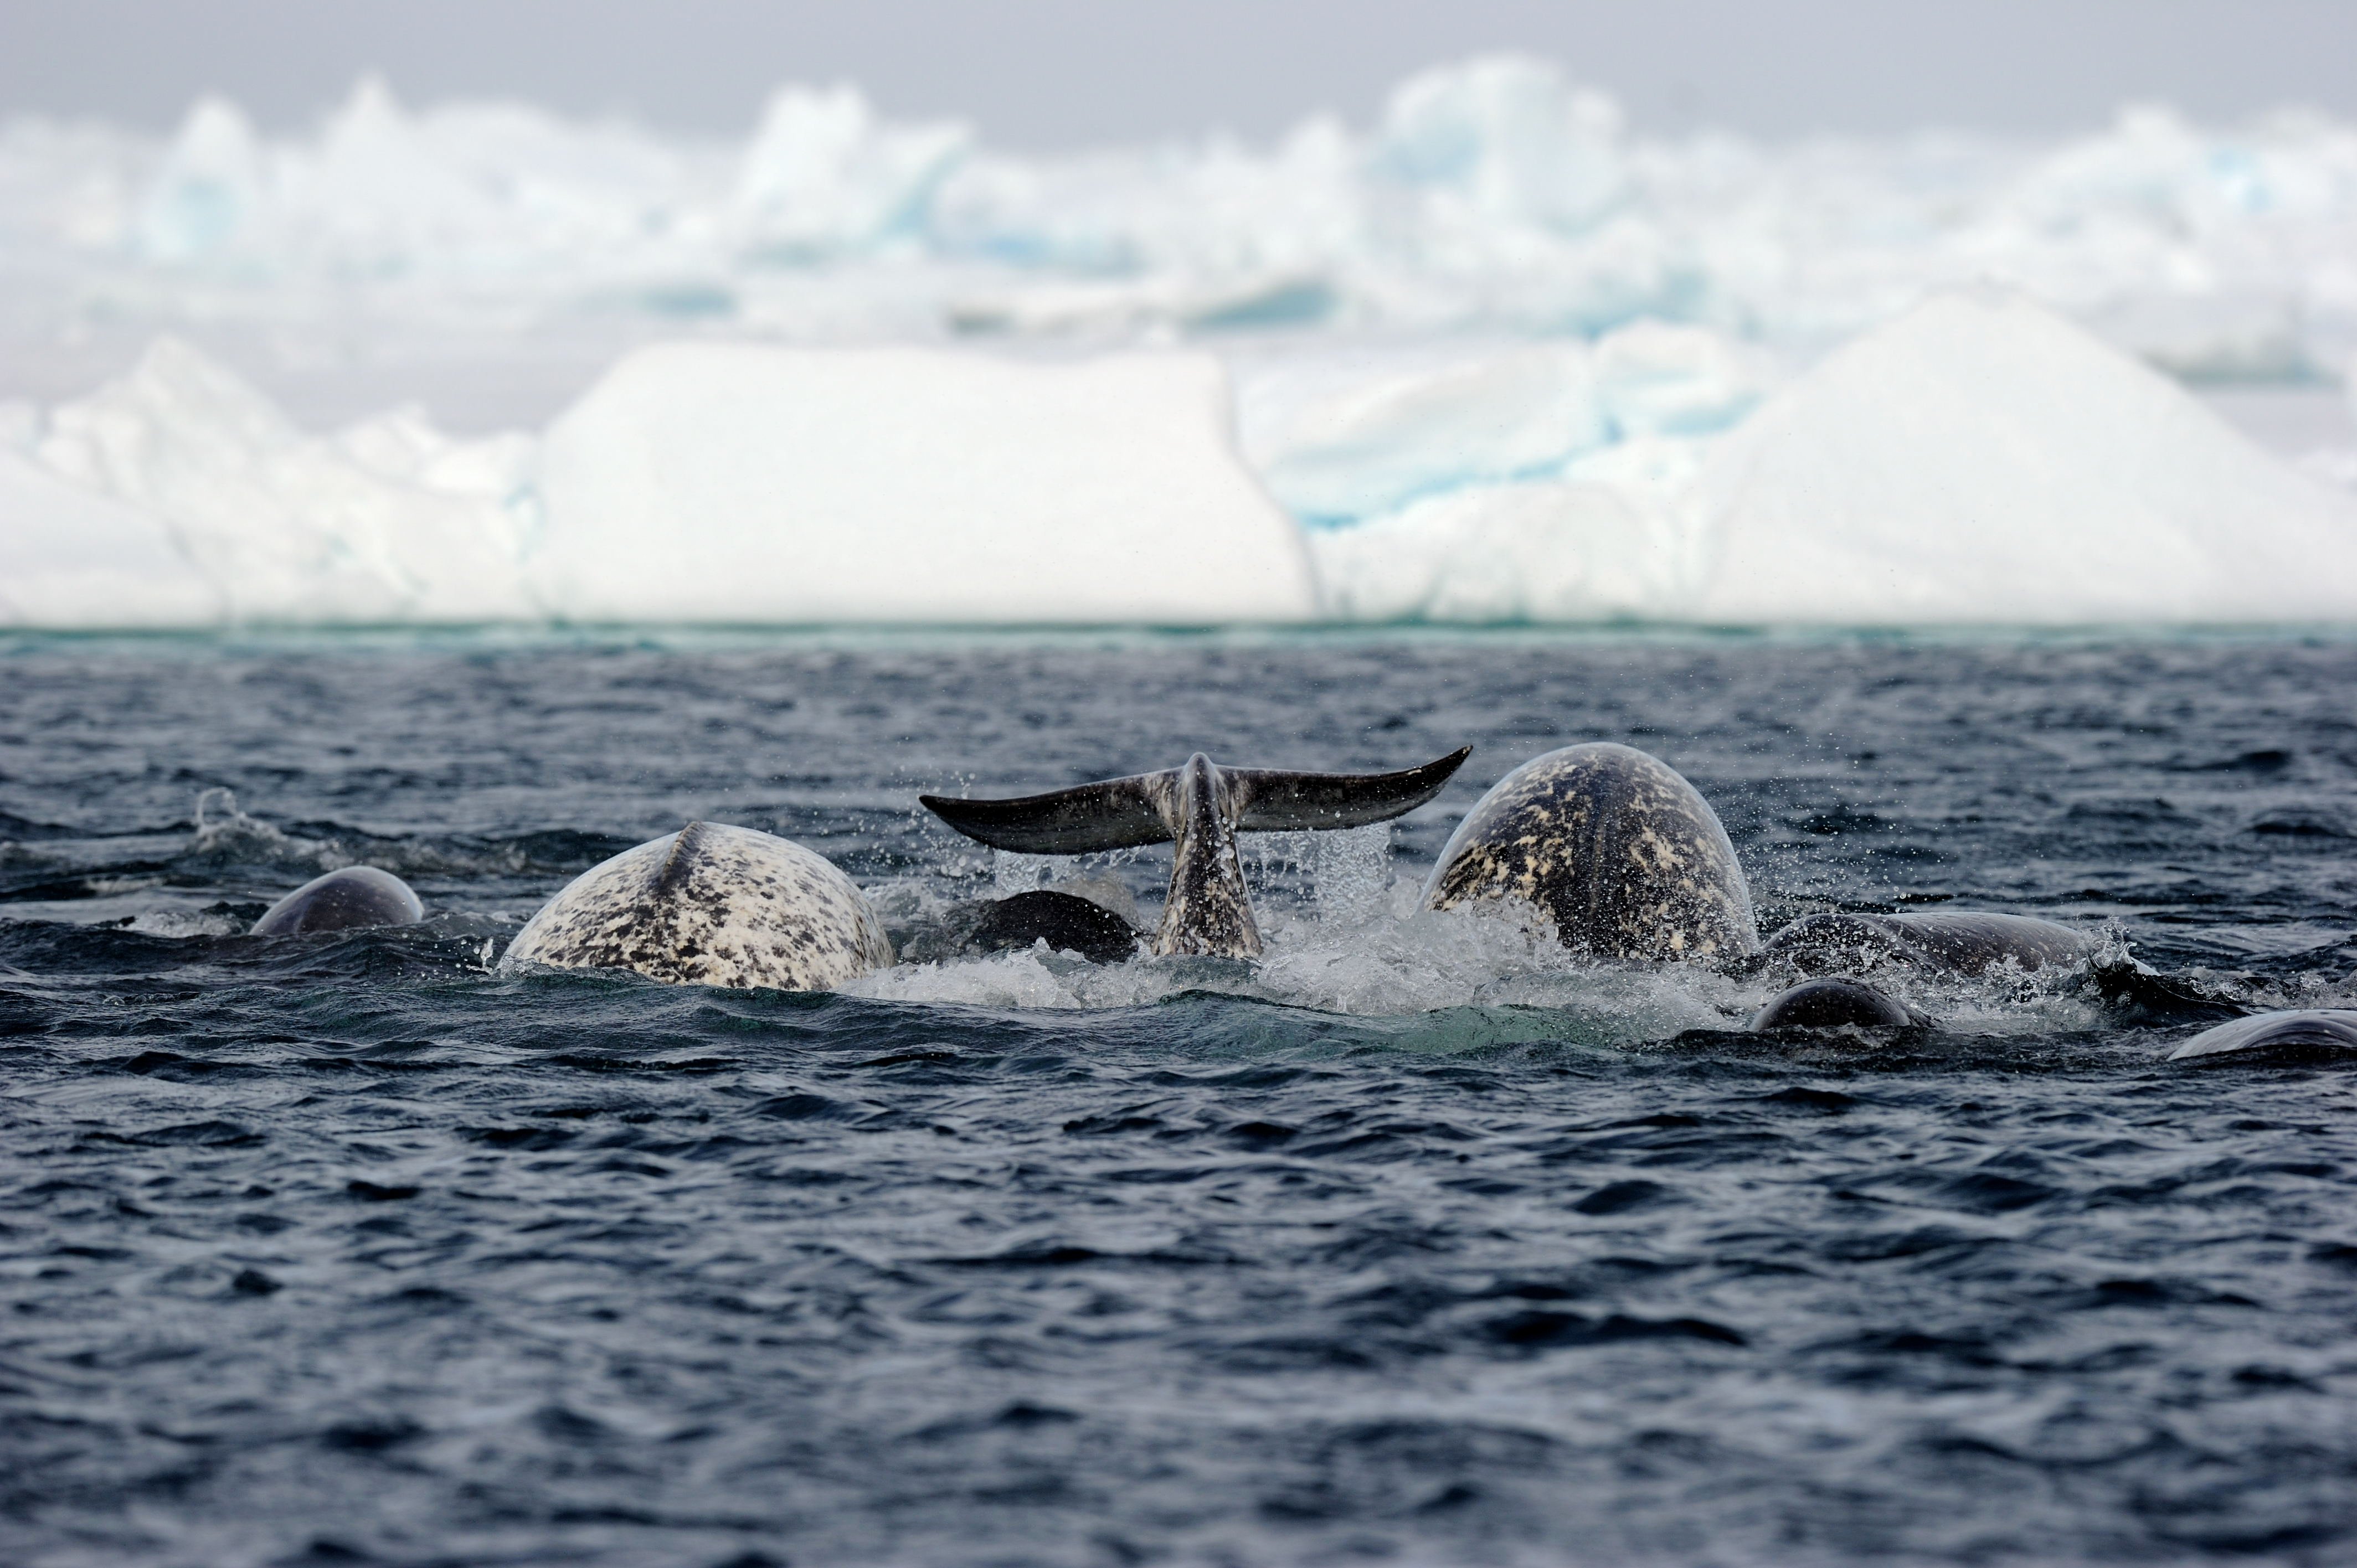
(1414, 1242)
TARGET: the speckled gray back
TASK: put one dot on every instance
(1623, 853)
(711, 904)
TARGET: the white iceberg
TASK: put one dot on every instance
(1372, 444)
(1507, 137)
(740, 483)
(392, 522)
(1535, 552)
(212, 190)
(1982, 460)
(824, 174)
(71, 560)
(1493, 194)
(1978, 461)
(1659, 377)
(467, 194)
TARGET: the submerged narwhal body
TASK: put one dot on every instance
(711, 904)
(1833, 1003)
(354, 898)
(1957, 941)
(2302, 1032)
(1625, 855)
(1199, 809)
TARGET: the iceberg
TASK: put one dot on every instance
(390, 522)
(1658, 378)
(212, 189)
(468, 195)
(1979, 460)
(822, 175)
(737, 482)
(1546, 550)
(1490, 196)
(72, 560)
(1372, 444)
(1507, 137)
(1342, 438)
(1982, 460)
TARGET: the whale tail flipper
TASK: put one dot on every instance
(1118, 813)
(1114, 813)
(1269, 800)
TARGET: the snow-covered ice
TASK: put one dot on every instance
(1980, 459)
(389, 521)
(1495, 195)
(1498, 355)
(734, 482)
(1977, 460)
(72, 558)
(1373, 442)
(1534, 551)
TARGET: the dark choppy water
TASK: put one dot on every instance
(1415, 1243)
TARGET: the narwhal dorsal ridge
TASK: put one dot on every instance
(1198, 807)
(684, 846)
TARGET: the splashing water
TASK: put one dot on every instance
(1011, 873)
(1419, 1239)
(226, 836)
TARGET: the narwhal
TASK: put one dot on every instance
(352, 898)
(2303, 1032)
(1614, 847)
(1199, 808)
(711, 904)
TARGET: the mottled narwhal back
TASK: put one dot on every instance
(711, 904)
(1627, 857)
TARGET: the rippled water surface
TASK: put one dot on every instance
(1413, 1242)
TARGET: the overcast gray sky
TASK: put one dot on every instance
(1059, 73)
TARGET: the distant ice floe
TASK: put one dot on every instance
(1979, 460)
(1494, 195)
(1497, 356)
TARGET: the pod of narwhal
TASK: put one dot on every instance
(1618, 853)
(1621, 856)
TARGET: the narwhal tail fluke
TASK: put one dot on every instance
(1115, 813)
(1118, 813)
(1271, 800)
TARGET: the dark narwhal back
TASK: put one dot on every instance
(353, 898)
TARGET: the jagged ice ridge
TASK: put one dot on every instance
(1496, 357)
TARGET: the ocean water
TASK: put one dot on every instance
(1414, 1242)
